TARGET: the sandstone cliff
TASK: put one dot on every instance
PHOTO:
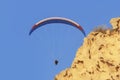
(98, 58)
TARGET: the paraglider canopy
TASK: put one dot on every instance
(56, 20)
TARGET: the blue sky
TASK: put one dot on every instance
(24, 57)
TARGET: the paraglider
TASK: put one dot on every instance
(57, 20)
(56, 62)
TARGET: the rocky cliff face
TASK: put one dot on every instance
(98, 58)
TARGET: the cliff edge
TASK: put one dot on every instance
(99, 56)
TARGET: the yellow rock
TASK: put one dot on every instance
(98, 58)
(115, 22)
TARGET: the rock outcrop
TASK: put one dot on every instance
(98, 58)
